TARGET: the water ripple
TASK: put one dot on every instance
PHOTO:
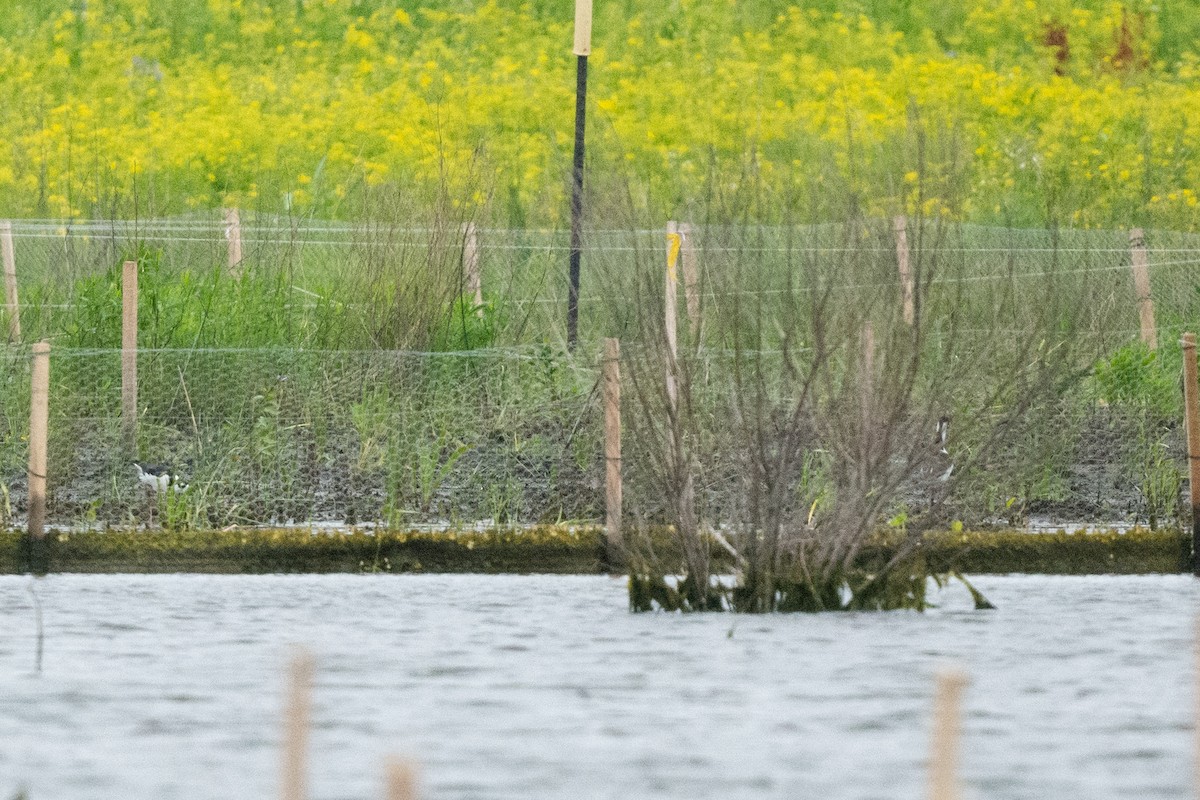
(170, 686)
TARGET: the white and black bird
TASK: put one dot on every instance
(158, 477)
(945, 465)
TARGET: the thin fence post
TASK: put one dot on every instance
(293, 784)
(39, 424)
(129, 343)
(1141, 284)
(867, 400)
(400, 779)
(1191, 403)
(612, 451)
(11, 305)
(671, 310)
(233, 236)
(691, 278)
(943, 757)
(900, 224)
(472, 278)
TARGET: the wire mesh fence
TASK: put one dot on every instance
(285, 436)
(312, 271)
(345, 373)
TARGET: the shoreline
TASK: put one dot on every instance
(544, 549)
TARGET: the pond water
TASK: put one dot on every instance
(546, 687)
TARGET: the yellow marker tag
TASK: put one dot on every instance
(676, 243)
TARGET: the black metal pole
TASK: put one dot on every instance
(577, 202)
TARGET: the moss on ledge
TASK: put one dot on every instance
(1135, 552)
(547, 549)
(544, 549)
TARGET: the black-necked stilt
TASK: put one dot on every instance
(158, 477)
(943, 455)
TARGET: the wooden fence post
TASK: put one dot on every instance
(39, 423)
(612, 451)
(867, 401)
(1191, 405)
(906, 280)
(671, 310)
(233, 235)
(129, 343)
(472, 278)
(293, 784)
(400, 779)
(691, 278)
(943, 758)
(1141, 285)
(10, 282)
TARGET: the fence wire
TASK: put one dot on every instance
(345, 374)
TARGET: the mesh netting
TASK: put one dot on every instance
(347, 374)
(284, 436)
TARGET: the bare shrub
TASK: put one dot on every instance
(806, 443)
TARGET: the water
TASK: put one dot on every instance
(546, 687)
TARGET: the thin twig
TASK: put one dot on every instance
(191, 413)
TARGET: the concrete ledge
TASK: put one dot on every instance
(547, 549)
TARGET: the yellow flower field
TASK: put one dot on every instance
(1077, 113)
